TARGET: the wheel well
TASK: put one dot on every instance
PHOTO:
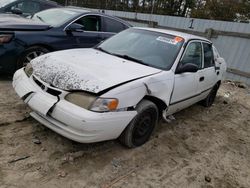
(42, 45)
(161, 105)
(218, 84)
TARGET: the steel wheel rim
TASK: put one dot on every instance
(143, 129)
(32, 55)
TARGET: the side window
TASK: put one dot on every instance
(208, 55)
(90, 23)
(193, 54)
(112, 25)
(30, 7)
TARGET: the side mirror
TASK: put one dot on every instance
(16, 11)
(75, 28)
(189, 67)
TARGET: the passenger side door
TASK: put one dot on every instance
(88, 35)
(185, 91)
(111, 26)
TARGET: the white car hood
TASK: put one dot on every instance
(87, 69)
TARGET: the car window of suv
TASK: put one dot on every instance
(208, 55)
(112, 25)
(90, 23)
(193, 54)
(30, 7)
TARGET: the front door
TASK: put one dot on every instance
(186, 91)
(89, 35)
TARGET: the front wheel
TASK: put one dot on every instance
(30, 54)
(141, 127)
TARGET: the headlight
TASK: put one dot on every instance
(104, 105)
(28, 69)
(5, 38)
(81, 99)
(90, 102)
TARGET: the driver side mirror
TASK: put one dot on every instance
(16, 11)
(75, 28)
(188, 67)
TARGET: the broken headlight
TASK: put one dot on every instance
(28, 69)
(81, 99)
(105, 105)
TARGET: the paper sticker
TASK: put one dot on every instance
(170, 41)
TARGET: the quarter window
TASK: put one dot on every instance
(113, 26)
(208, 55)
(193, 54)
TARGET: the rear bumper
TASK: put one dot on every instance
(67, 119)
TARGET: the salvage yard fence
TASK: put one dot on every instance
(232, 39)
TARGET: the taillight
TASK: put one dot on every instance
(5, 38)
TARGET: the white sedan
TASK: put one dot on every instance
(122, 87)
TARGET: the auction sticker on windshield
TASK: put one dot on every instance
(168, 40)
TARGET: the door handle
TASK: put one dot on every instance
(202, 78)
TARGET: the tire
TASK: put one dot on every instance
(29, 54)
(141, 127)
(209, 100)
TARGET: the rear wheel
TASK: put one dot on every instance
(30, 54)
(141, 127)
(209, 100)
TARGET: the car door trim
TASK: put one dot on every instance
(182, 100)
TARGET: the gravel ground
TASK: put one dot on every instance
(203, 147)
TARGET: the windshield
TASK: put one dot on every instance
(150, 48)
(55, 17)
(5, 2)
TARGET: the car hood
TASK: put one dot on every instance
(88, 70)
(12, 22)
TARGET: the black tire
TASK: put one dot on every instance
(29, 54)
(141, 127)
(209, 100)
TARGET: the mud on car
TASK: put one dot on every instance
(122, 87)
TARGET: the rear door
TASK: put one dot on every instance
(111, 26)
(208, 73)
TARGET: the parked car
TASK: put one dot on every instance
(122, 87)
(22, 39)
(26, 7)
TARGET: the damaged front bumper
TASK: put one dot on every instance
(67, 119)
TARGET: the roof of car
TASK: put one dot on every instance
(186, 36)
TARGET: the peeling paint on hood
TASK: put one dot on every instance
(87, 69)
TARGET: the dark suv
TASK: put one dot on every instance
(26, 7)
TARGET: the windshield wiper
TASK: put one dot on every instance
(39, 18)
(131, 59)
(102, 50)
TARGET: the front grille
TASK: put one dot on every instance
(47, 89)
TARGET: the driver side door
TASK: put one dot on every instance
(185, 91)
(89, 35)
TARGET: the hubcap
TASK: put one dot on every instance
(32, 55)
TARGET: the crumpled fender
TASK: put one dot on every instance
(130, 94)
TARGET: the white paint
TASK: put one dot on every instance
(87, 69)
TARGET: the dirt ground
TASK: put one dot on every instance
(203, 147)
